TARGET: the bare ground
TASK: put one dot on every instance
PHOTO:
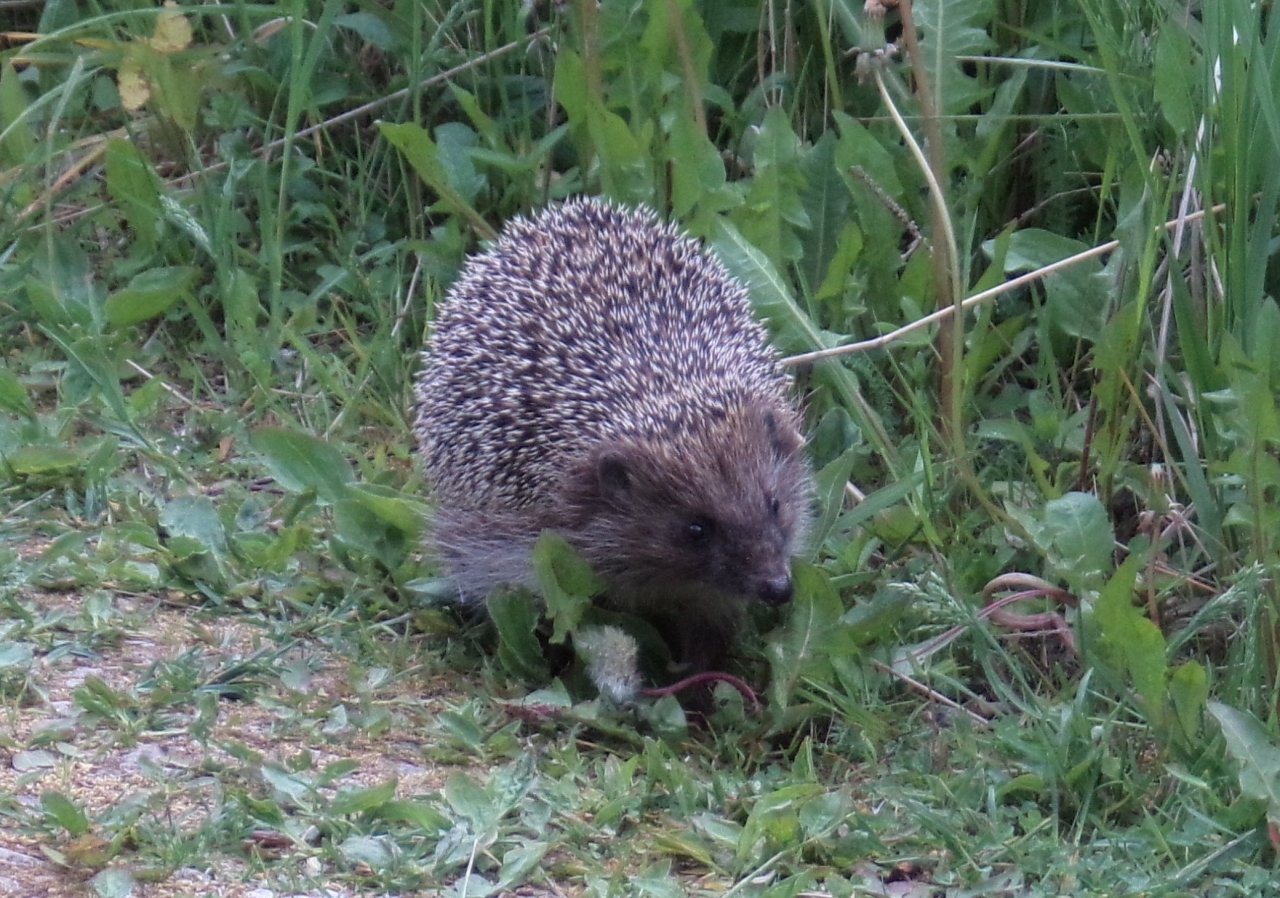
(169, 771)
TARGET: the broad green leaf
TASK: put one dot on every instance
(37, 759)
(519, 862)
(1031, 248)
(301, 462)
(683, 845)
(113, 882)
(775, 820)
(949, 30)
(827, 206)
(515, 615)
(774, 216)
(1078, 535)
(871, 174)
(1256, 755)
(823, 813)
(178, 84)
(13, 396)
(133, 184)
(511, 783)
(1173, 78)
(371, 28)
(676, 39)
(91, 363)
(1075, 299)
(456, 142)
(196, 518)
(626, 167)
(36, 461)
(770, 292)
(1131, 643)
(360, 528)
(697, 171)
(840, 267)
(566, 582)
(476, 114)
(392, 507)
(1189, 692)
(98, 696)
(829, 487)
(659, 881)
(288, 786)
(102, 461)
(359, 801)
(415, 813)
(378, 853)
(571, 86)
(17, 142)
(476, 803)
(812, 624)
(874, 619)
(888, 512)
(240, 302)
(625, 171)
(413, 141)
(337, 770)
(16, 654)
(149, 295)
(795, 330)
(65, 813)
(63, 289)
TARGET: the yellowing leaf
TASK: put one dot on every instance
(135, 88)
(173, 31)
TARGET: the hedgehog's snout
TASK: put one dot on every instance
(775, 591)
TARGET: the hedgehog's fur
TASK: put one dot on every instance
(599, 374)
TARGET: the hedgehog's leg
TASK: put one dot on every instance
(698, 641)
(700, 644)
(703, 644)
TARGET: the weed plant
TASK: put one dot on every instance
(1021, 258)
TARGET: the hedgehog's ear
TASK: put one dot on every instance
(613, 473)
(783, 438)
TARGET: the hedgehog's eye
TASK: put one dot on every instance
(774, 507)
(698, 531)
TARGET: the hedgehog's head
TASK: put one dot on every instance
(714, 509)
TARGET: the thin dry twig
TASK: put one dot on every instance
(931, 694)
(1000, 289)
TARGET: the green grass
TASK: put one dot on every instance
(1035, 650)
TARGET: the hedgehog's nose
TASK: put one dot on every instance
(775, 591)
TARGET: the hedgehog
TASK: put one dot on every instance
(598, 373)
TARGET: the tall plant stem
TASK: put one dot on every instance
(950, 346)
